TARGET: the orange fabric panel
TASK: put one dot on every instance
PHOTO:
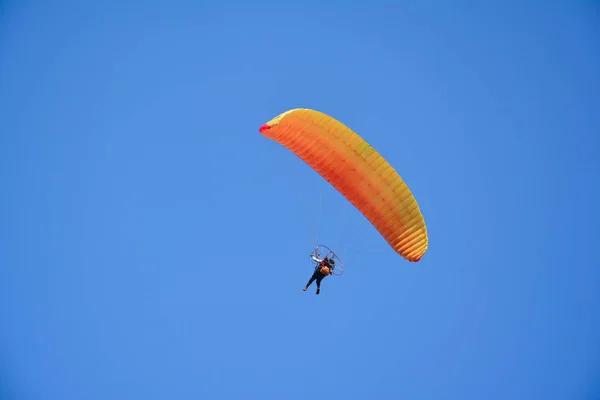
(358, 172)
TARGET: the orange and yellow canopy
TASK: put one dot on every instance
(358, 172)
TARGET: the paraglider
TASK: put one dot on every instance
(324, 266)
(358, 172)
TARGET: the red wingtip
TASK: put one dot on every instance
(264, 128)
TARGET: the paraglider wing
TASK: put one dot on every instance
(358, 172)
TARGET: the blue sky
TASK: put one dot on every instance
(153, 245)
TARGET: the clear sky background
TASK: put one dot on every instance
(153, 245)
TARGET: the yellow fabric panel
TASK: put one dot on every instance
(358, 172)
